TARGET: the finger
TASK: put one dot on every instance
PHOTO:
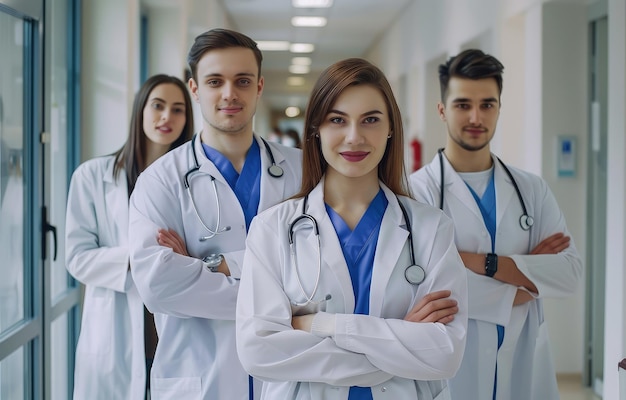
(430, 297)
(437, 315)
(432, 311)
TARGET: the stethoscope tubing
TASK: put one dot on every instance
(525, 221)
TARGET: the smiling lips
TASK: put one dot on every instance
(354, 156)
(164, 129)
(230, 110)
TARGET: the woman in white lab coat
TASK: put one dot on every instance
(345, 314)
(111, 362)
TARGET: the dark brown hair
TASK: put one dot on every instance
(132, 156)
(329, 86)
(470, 64)
(219, 39)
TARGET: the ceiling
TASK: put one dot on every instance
(353, 27)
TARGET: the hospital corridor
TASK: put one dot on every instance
(80, 80)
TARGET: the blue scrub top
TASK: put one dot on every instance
(359, 249)
(247, 184)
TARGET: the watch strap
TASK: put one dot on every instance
(491, 264)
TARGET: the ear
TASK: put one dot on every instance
(441, 110)
(193, 88)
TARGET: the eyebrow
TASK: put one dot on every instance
(163, 101)
(238, 75)
(362, 115)
(466, 100)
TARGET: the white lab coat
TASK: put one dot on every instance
(524, 362)
(195, 308)
(398, 359)
(110, 357)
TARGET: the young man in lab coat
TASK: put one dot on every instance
(514, 243)
(201, 199)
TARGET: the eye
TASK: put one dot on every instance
(462, 106)
(179, 110)
(488, 105)
(213, 82)
(157, 106)
(371, 120)
(336, 120)
(245, 82)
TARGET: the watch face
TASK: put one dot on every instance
(213, 260)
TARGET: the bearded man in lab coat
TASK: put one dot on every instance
(514, 242)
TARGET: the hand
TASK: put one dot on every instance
(169, 238)
(302, 322)
(434, 307)
(552, 244)
(522, 297)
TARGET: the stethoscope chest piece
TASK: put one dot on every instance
(526, 221)
(275, 171)
(414, 274)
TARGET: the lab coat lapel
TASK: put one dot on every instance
(391, 240)
(505, 191)
(272, 189)
(332, 255)
(456, 188)
(116, 203)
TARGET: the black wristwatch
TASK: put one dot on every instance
(491, 264)
(213, 261)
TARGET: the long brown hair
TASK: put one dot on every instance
(132, 156)
(329, 86)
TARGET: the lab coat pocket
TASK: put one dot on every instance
(188, 388)
(96, 337)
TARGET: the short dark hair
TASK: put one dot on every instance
(219, 39)
(470, 64)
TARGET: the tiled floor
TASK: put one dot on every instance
(571, 388)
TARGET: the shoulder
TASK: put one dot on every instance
(95, 168)
(279, 215)
(527, 179)
(172, 163)
(291, 154)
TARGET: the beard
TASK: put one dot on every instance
(467, 146)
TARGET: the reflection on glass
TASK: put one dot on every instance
(12, 376)
(11, 178)
(57, 171)
(59, 351)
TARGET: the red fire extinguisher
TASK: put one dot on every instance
(416, 146)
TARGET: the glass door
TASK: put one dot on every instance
(38, 107)
(20, 307)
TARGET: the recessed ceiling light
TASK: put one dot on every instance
(299, 69)
(301, 48)
(315, 22)
(301, 61)
(272, 45)
(312, 3)
(295, 81)
(292, 111)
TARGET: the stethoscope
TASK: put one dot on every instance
(525, 220)
(414, 274)
(273, 170)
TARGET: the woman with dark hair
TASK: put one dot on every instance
(115, 346)
(351, 289)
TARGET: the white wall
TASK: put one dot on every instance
(110, 73)
(544, 96)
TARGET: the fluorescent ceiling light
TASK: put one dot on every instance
(299, 69)
(316, 22)
(301, 48)
(295, 81)
(301, 61)
(272, 45)
(312, 3)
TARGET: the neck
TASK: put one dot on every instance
(234, 146)
(350, 197)
(154, 151)
(468, 161)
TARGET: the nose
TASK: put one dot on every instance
(165, 114)
(475, 116)
(353, 134)
(229, 91)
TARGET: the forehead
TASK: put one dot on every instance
(472, 89)
(168, 92)
(231, 61)
(359, 99)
